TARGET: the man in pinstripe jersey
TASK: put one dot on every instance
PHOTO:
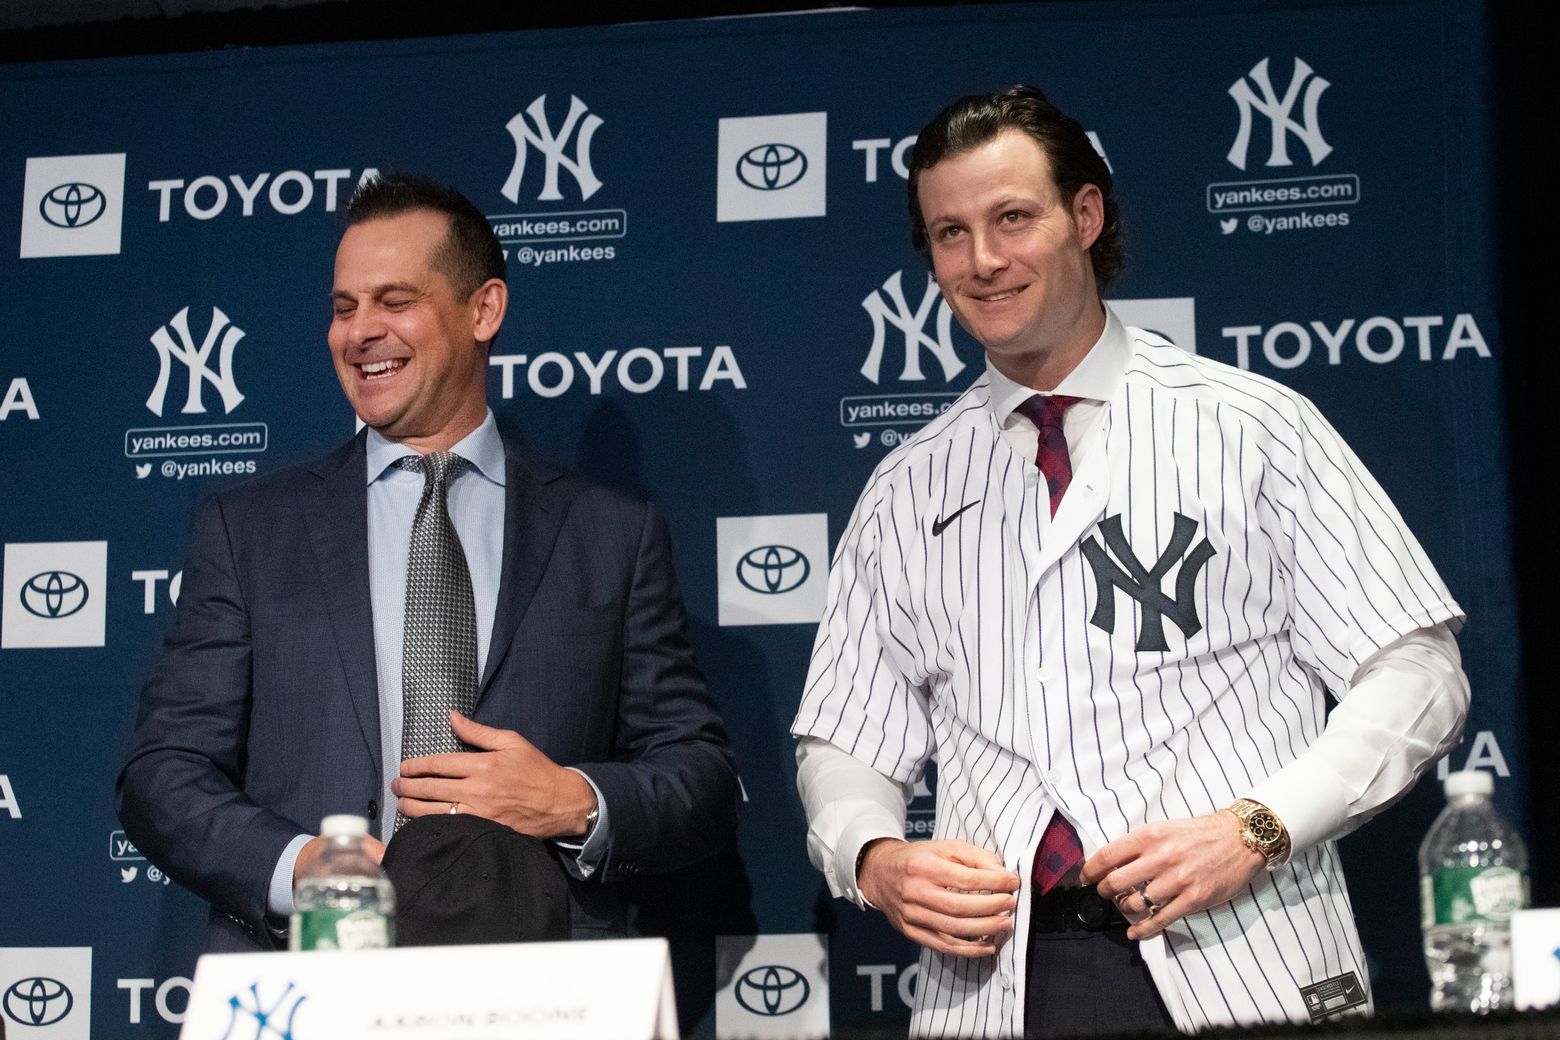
(1109, 591)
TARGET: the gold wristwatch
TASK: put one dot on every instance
(1262, 831)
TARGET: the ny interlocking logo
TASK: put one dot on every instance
(581, 124)
(1305, 89)
(221, 337)
(1144, 583)
(889, 306)
(273, 1020)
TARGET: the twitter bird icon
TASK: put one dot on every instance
(862, 439)
(143, 471)
(127, 874)
(1229, 226)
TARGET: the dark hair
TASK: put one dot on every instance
(972, 121)
(470, 253)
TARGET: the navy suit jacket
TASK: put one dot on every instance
(262, 715)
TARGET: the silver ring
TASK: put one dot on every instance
(454, 808)
(1148, 904)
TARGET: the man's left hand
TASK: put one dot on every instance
(507, 779)
(1161, 872)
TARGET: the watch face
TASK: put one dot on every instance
(1264, 827)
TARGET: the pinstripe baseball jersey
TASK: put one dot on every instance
(1159, 647)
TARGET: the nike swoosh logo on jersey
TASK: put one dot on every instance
(939, 525)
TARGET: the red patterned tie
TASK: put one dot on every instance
(1060, 850)
(1051, 454)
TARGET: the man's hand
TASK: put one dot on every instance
(315, 847)
(507, 780)
(949, 895)
(1160, 873)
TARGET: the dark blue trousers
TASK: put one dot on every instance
(1090, 984)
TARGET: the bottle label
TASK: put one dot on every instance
(330, 929)
(1458, 895)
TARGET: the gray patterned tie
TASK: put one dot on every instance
(439, 645)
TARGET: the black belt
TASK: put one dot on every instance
(1074, 910)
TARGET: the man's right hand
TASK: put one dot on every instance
(949, 895)
(315, 848)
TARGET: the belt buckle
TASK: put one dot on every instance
(1088, 911)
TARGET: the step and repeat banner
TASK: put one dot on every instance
(714, 306)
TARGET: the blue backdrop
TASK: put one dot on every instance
(714, 305)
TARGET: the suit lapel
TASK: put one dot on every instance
(533, 513)
(338, 525)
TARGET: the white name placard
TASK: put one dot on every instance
(1535, 958)
(560, 991)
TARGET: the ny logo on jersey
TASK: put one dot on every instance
(1143, 583)
(913, 324)
(1278, 112)
(538, 134)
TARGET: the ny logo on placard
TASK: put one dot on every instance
(267, 1021)
(538, 134)
(1279, 112)
(889, 306)
(1143, 583)
(197, 361)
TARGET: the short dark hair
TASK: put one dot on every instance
(470, 254)
(977, 119)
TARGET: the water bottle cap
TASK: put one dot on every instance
(344, 825)
(1469, 781)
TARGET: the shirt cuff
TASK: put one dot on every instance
(588, 854)
(872, 824)
(1404, 710)
(279, 900)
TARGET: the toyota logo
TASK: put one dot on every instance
(773, 569)
(72, 205)
(772, 990)
(37, 1001)
(54, 594)
(770, 167)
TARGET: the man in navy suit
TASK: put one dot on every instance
(278, 697)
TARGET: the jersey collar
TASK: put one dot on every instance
(1094, 379)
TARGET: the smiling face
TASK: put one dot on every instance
(1012, 256)
(409, 348)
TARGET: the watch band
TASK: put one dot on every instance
(861, 856)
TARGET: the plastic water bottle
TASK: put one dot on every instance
(344, 902)
(1472, 877)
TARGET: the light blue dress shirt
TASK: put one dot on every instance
(476, 506)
